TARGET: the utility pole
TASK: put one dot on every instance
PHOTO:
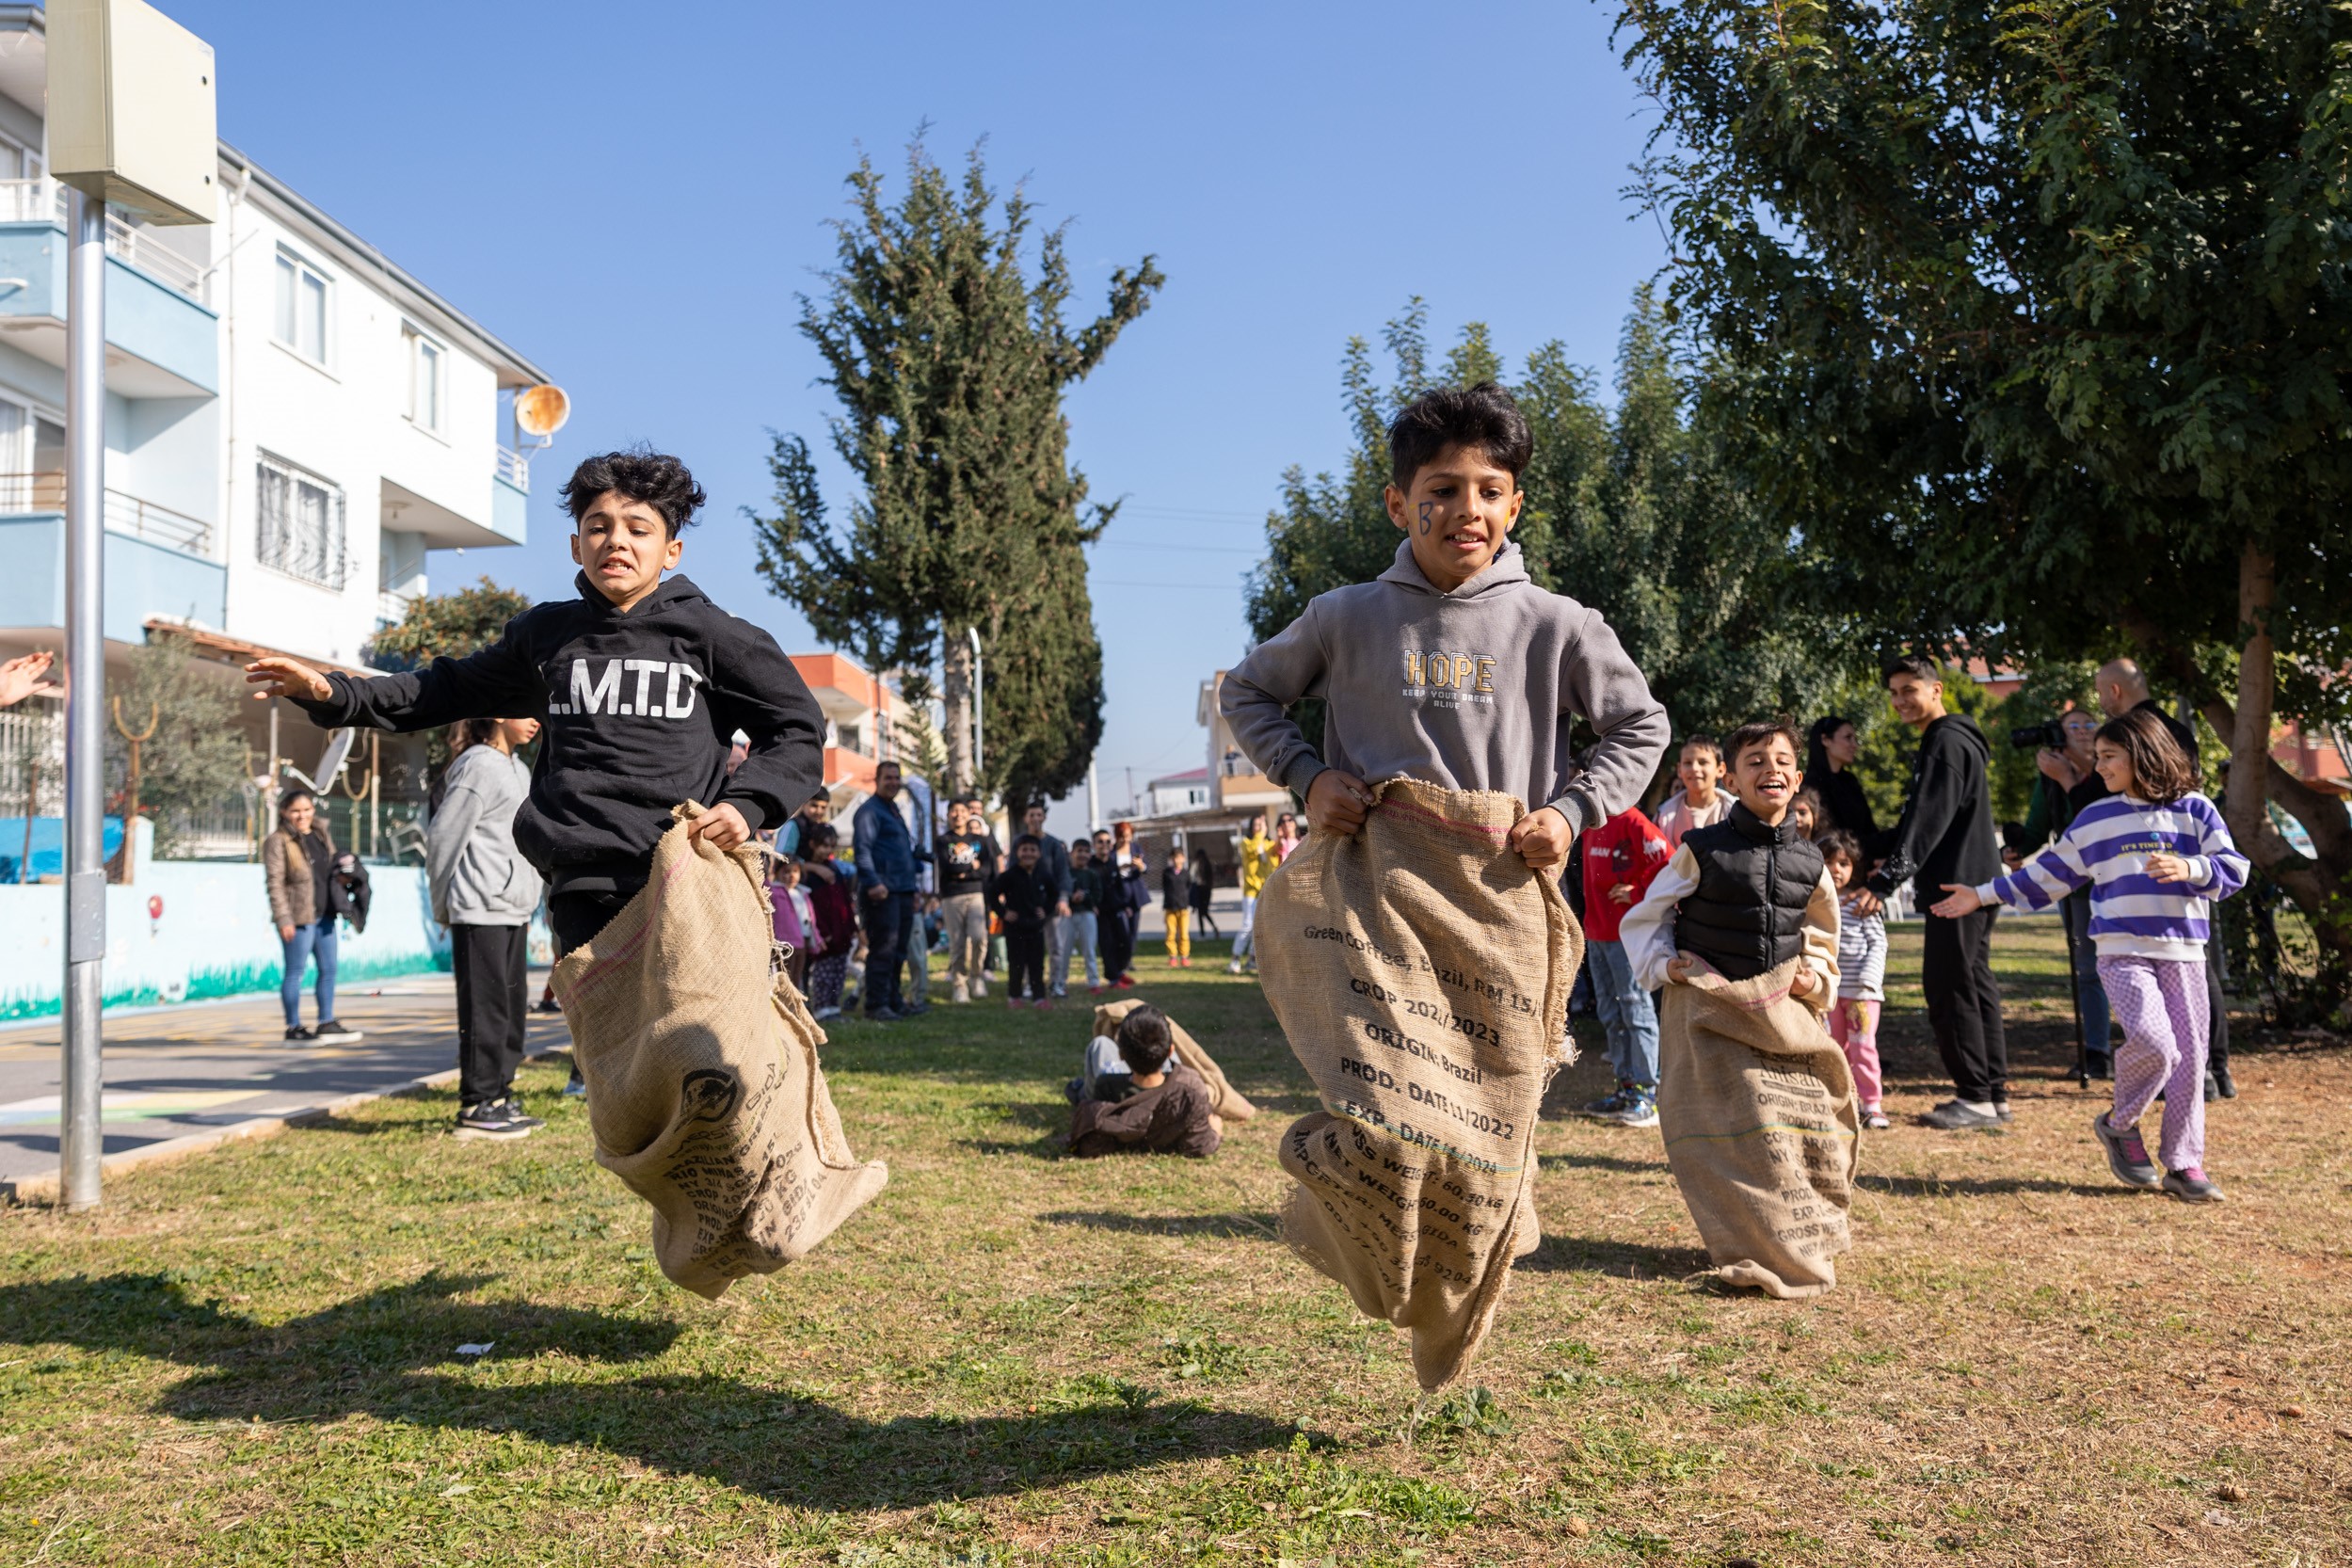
(80, 1138)
(1094, 801)
(130, 123)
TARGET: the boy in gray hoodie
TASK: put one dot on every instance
(1452, 667)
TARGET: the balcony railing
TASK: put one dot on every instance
(44, 202)
(514, 468)
(124, 514)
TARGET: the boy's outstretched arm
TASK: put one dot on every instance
(1256, 699)
(754, 688)
(1602, 685)
(499, 683)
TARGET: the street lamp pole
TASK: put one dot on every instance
(973, 632)
(81, 1135)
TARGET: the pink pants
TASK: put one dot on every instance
(1861, 1046)
(2161, 1003)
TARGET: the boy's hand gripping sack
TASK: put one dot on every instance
(1420, 972)
(704, 1091)
(1756, 1105)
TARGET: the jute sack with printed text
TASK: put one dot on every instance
(704, 1091)
(1226, 1100)
(1420, 972)
(1756, 1105)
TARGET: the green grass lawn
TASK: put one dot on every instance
(1011, 1357)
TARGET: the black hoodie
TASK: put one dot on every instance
(1946, 832)
(641, 710)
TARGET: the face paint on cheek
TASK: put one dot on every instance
(1429, 515)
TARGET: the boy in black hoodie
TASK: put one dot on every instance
(640, 685)
(1946, 837)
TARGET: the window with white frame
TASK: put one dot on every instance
(302, 323)
(300, 530)
(426, 361)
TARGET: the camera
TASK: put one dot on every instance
(2032, 737)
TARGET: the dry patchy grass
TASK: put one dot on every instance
(1011, 1357)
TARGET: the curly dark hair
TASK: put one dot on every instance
(1484, 416)
(655, 478)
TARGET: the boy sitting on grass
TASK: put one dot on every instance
(641, 685)
(1135, 1099)
(1453, 668)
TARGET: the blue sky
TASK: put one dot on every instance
(632, 194)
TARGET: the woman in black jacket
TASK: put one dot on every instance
(1832, 744)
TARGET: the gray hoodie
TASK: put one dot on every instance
(1471, 690)
(476, 874)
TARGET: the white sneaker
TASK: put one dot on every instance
(1234, 967)
(980, 989)
(962, 991)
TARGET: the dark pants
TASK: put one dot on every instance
(1026, 951)
(1118, 942)
(492, 995)
(888, 924)
(575, 918)
(1964, 1005)
(2217, 1007)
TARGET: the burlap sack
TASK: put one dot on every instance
(1757, 1108)
(704, 1091)
(1228, 1102)
(1420, 972)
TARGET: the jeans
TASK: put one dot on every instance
(1625, 1013)
(2088, 993)
(1058, 938)
(888, 922)
(1964, 1006)
(1116, 928)
(1084, 939)
(315, 940)
(493, 990)
(1249, 924)
(968, 935)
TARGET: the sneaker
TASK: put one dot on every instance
(1059, 993)
(825, 1014)
(914, 1012)
(2213, 1088)
(2127, 1155)
(575, 1087)
(547, 1004)
(1234, 967)
(1125, 982)
(2190, 1186)
(2001, 1109)
(1875, 1119)
(2223, 1082)
(1641, 1109)
(962, 991)
(1015, 1001)
(332, 1032)
(297, 1035)
(502, 1120)
(980, 988)
(1952, 1117)
(1610, 1103)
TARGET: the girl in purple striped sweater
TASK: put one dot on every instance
(2154, 854)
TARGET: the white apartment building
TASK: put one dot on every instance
(292, 420)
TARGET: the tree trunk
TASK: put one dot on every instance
(956, 691)
(2318, 886)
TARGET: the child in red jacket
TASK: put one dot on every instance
(1618, 859)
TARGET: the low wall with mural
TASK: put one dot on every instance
(192, 929)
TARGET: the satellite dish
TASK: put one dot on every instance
(541, 410)
(330, 762)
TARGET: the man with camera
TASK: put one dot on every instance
(2068, 783)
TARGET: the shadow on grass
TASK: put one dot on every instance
(1258, 1226)
(383, 1354)
(1618, 1162)
(1592, 1254)
(1986, 1187)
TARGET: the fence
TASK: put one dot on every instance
(32, 758)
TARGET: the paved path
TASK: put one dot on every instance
(172, 1071)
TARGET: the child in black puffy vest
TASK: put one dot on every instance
(1747, 894)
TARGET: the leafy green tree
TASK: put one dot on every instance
(1627, 510)
(2034, 314)
(451, 624)
(194, 756)
(951, 360)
